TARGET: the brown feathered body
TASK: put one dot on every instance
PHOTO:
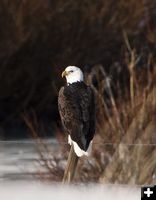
(77, 110)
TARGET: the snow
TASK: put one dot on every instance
(40, 191)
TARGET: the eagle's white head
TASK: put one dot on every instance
(73, 74)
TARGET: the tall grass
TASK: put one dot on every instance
(127, 127)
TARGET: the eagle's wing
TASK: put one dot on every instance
(77, 111)
(90, 112)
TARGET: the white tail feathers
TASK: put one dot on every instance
(79, 152)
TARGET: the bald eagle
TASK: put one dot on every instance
(77, 110)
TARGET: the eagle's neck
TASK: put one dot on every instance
(75, 82)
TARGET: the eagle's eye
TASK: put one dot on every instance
(71, 71)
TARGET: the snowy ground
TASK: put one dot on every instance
(17, 165)
(51, 192)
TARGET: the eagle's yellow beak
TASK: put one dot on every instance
(64, 73)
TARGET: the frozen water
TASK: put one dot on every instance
(19, 160)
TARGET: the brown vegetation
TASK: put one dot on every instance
(127, 130)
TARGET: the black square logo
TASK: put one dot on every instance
(148, 192)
